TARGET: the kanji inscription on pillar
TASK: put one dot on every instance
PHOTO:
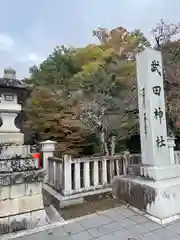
(152, 117)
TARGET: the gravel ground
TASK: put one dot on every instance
(92, 204)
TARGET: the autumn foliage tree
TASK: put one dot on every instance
(114, 91)
(87, 91)
(53, 119)
(166, 41)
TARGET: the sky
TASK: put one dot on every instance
(29, 30)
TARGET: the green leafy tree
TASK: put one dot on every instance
(84, 91)
(106, 81)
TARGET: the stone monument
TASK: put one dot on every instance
(21, 201)
(153, 186)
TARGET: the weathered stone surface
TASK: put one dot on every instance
(39, 218)
(134, 169)
(17, 190)
(33, 188)
(4, 192)
(137, 195)
(9, 207)
(4, 225)
(21, 177)
(21, 201)
(19, 222)
(16, 138)
(23, 221)
(17, 164)
(11, 149)
(154, 173)
(31, 203)
(34, 176)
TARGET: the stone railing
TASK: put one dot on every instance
(55, 173)
(79, 175)
(71, 176)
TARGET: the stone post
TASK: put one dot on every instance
(67, 175)
(87, 175)
(47, 147)
(171, 144)
(126, 162)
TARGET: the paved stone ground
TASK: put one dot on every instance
(119, 223)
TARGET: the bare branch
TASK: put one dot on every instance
(164, 32)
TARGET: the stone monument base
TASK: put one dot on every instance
(155, 173)
(21, 201)
(17, 138)
(159, 199)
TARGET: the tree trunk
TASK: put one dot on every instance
(104, 144)
(106, 148)
(113, 145)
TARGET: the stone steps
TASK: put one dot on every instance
(53, 215)
(51, 212)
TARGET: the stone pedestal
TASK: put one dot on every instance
(14, 150)
(152, 189)
(21, 200)
(159, 199)
(17, 138)
(154, 173)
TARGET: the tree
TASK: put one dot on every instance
(122, 41)
(164, 32)
(56, 70)
(109, 82)
(53, 83)
(53, 119)
(165, 37)
(95, 84)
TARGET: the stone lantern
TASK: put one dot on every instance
(21, 199)
(13, 92)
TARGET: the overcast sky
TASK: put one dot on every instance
(29, 30)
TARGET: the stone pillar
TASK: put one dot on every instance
(95, 173)
(48, 148)
(156, 162)
(87, 175)
(77, 176)
(171, 144)
(153, 186)
(104, 171)
(67, 175)
(152, 113)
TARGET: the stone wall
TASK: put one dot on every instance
(21, 201)
(14, 149)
